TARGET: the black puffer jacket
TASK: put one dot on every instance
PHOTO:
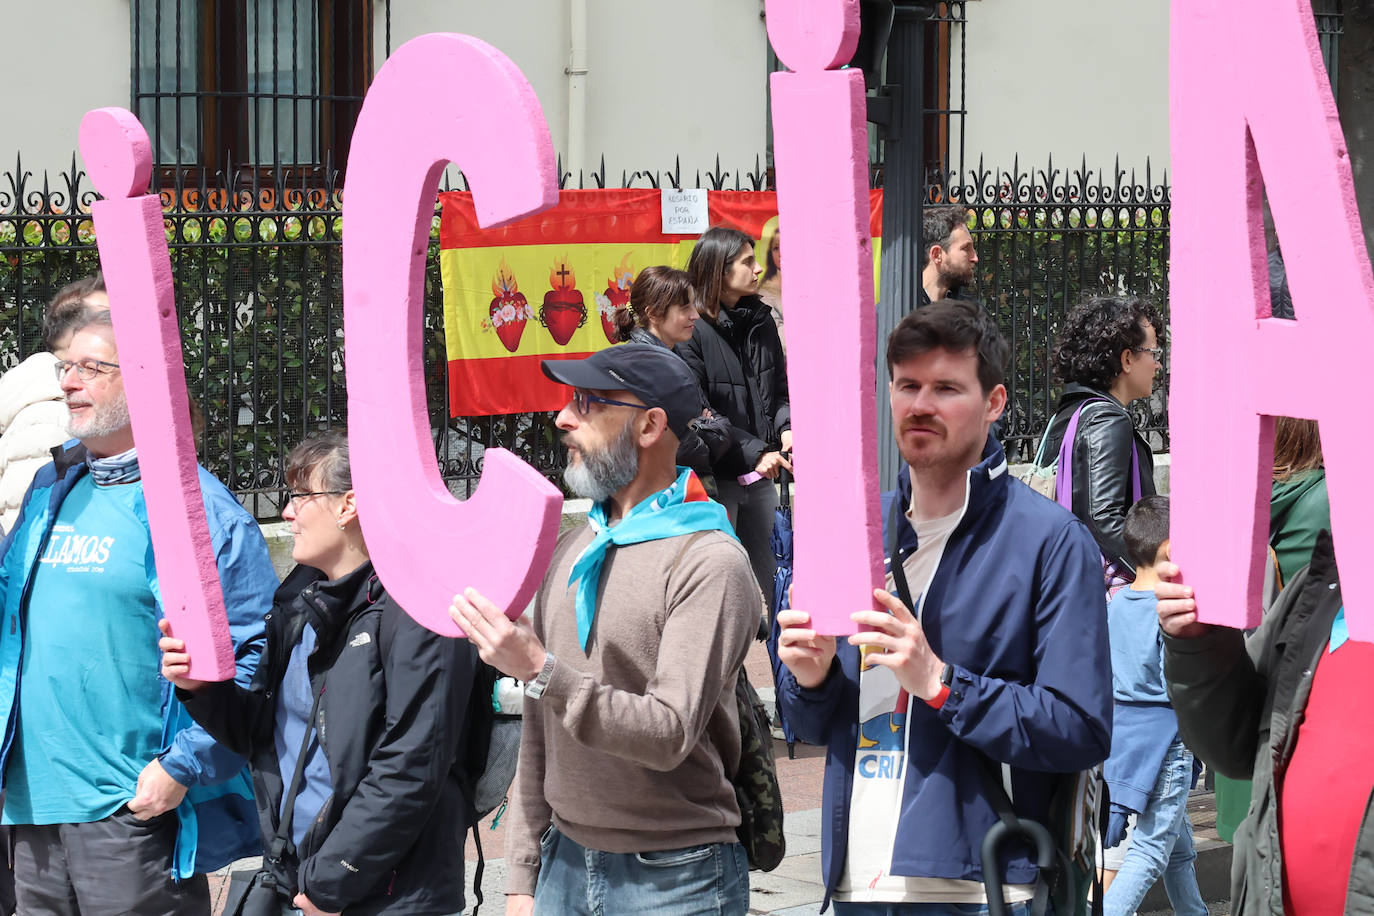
(1102, 491)
(739, 363)
(390, 838)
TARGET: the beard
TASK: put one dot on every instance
(956, 276)
(599, 473)
(103, 419)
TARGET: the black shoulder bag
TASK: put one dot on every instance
(257, 893)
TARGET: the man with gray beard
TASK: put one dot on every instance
(118, 802)
(623, 801)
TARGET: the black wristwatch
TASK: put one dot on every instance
(947, 675)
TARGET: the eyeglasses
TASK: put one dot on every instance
(584, 400)
(1156, 352)
(294, 498)
(86, 369)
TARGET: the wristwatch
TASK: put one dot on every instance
(947, 675)
(535, 688)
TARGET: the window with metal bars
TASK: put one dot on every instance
(228, 84)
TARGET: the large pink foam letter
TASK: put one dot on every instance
(823, 204)
(1253, 113)
(425, 544)
(138, 275)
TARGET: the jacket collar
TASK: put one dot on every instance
(1074, 394)
(329, 603)
(68, 455)
(987, 481)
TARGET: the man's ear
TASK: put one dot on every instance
(997, 402)
(934, 254)
(654, 425)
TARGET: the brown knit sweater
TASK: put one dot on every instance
(629, 748)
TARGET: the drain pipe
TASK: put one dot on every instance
(576, 72)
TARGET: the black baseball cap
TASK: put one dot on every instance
(656, 375)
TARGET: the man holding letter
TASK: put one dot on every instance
(623, 801)
(98, 757)
(1003, 666)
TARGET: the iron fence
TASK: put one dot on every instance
(256, 258)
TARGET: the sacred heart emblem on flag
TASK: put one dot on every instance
(616, 297)
(509, 310)
(563, 311)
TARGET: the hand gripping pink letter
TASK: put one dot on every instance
(1261, 100)
(426, 545)
(823, 205)
(138, 275)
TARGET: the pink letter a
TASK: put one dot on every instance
(1260, 101)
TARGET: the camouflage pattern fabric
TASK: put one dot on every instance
(756, 782)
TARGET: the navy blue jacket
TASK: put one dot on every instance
(1016, 607)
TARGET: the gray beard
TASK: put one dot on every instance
(599, 475)
(103, 421)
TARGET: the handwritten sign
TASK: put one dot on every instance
(684, 212)
(828, 299)
(425, 544)
(1249, 115)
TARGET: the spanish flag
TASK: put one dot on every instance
(549, 286)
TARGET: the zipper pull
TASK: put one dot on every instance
(500, 812)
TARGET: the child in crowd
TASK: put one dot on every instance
(1149, 771)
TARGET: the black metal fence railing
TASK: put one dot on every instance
(1047, 239)
(257, 269)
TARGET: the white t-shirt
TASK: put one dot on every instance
(875, 802)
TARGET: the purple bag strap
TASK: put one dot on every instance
(1063, 489)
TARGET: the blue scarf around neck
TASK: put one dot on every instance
(683, 508)
(116, 469)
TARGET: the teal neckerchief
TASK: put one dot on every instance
(683, 508)
(1340, 632)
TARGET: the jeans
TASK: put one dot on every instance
(751, 510)
(1161, 844)
(709, 880)
(928, 909)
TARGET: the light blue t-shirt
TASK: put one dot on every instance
(1137, 648)
(90, 688)
(294, 702)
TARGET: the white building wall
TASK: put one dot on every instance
(63, 59)
(1067, 78)
(664, 78)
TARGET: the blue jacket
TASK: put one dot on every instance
(218, 819)
(1017, 608)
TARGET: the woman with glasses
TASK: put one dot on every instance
(1109, 352)
(359, 707)
(738, 360)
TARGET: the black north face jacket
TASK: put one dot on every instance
(739, 364)
(391, 722)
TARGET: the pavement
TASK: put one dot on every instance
(794, 888)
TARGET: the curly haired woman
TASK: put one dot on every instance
(1108, 354)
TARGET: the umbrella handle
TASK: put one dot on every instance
(785, 488)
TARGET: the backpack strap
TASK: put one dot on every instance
(1063, 488)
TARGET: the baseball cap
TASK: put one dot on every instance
(656, 375)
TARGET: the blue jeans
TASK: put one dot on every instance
(710, 880)
(926, 909)
(1161, 844)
